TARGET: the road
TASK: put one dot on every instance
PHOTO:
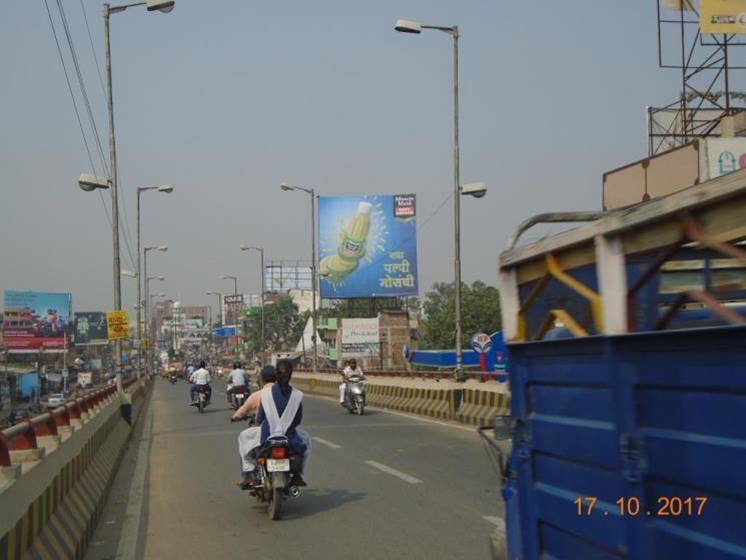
(380, 486)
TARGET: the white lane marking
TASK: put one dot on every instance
(494, 520)
(393, 472)
(326, 442)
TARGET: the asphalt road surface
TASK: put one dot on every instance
(379, 486)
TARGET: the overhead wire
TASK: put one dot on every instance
(75, 107)
(92, 121)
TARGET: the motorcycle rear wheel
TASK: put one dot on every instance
(275, 504)
(201, 406)
(360, 409)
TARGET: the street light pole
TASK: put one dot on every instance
(261, 256)
(405, 26)
(140, 277)
(288, 187)
(456, 205)
(114, 197)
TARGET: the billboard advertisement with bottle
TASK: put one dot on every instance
(35, 321)
(368, 246)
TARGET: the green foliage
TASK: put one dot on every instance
(367, 307)
(283, 326)
(480, 312)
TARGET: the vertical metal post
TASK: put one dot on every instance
(114, 198)
(313, 280)
(727, 79)
(456, 206)
(261, 255)
(140, 302)
(147, 300)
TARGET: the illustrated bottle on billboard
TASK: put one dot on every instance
(351, 248)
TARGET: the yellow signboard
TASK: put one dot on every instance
(722, 16)
(118, 323)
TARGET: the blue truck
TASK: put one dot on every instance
(626, 343)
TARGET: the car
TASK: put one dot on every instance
(56, 399)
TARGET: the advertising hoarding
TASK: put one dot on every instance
(35, 321)
(722, 16)
(118, 323)
(360, 338)
(368, 246)
(91, 328)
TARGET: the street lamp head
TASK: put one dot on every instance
(161, 294)
(128, 273)
(245, 247)
(211, 293)
(163, 6)
(407, 26)
(285, 186)
(166, 188)
(89, 182)
(161, 278)
(163, 247)
(477, 190)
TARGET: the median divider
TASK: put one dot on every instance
(474, 404)
(56, 470)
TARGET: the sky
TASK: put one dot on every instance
(225, 100)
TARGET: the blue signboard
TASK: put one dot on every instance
(368, 246)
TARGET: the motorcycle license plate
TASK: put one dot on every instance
(278, 465)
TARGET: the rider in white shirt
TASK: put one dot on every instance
(236, 378)
(352, 370)
(200, 377)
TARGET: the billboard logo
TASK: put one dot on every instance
(726, 162)
(481, 343)
(404, 206)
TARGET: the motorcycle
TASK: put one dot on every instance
(201, 402)
(239, 395)
(276, 465)
(355, 395)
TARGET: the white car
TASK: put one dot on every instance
(56, 399)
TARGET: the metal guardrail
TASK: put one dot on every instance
(23, 436)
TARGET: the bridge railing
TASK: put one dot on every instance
(28, 434)
(482, 376)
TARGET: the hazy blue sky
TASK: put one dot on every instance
(227, 99)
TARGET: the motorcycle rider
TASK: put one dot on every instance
(268, 377)
(236, 378)
(200, 377)
(352, 370)
(280, 413)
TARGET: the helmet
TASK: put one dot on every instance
(269, 373)
(236, 365)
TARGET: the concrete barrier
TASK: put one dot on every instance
(475, 404)
(52, 495)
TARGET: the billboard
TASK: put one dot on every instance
(360, 338)
(118, 323)
(722, 16)
(91, 329)
(35, 321)
(368, 246)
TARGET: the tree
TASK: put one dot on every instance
(480, 312)
(283, 325)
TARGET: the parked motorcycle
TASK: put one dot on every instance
(276, 465)
(202, 401)
(355, 395)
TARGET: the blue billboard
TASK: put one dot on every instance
(368, 246)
